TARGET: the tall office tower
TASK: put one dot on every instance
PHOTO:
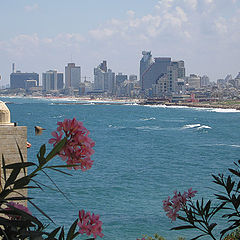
(60, 84)
(103, 66)
(109, 81)
(17, 79)
(49, 80)
(155, 70)
(72, 76)
(98, 79)
(104, 80)
(145, 62)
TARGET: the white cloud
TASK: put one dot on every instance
(209, 1)
(131, 13)
(164, 4)
(191, 3)
(30, 8)
(221, 25)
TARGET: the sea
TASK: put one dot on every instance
(142, 155)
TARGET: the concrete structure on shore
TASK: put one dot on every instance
(11, 136)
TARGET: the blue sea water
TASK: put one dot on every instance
(142, 155)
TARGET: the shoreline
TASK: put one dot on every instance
(143, 102)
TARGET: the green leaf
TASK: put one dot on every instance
(206, 208)
(198, 236)
(3, 167)
(19, 165)
(57, 170)
(53, 234)
(237, 173)
(212, 226)
(64, 166)
(72, 230)
(40, 155)
(17, 198)
(221, 197)
(183, 227)
(21, 157)
(58, 147)
(12, 177)
(22, 182)
(61, 236)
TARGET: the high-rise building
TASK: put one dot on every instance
(154, 71)
(103, 66)
(52, 80)
(145, 62)
(72, 76)
(17, 79)
(60, 83)
(104, 79)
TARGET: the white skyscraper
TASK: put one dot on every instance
(72, 76)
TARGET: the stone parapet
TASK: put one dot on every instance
(10, 137)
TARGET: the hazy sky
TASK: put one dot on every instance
(39, 35)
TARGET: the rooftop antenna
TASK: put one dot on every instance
(13, 68)
(71, 58)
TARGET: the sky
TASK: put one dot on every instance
(41, 35)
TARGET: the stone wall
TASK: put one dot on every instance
(10, 136)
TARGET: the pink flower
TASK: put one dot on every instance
(56, 138)
(18, 206)
(172, 214)
(191, 193)
(78, 148)
(173, 205)
(89, 224)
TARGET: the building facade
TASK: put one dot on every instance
(52, 80)
(72, 76)
(104, 79)
(17, 79)
(145, 62)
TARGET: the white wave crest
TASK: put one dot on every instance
(192, 126)
(148, 119)
(204, 127)
(221, 110)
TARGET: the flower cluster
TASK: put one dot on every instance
(18, 206)
(90, 224)
(178, 201)
(78, 149)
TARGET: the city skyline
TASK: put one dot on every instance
(205, 34)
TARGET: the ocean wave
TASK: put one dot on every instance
(204, 127)
(197, 125)
(222, 110)
(148, 119)
(164, 106)
(224, 144)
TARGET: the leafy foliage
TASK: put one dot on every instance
(16, 222)
(201, 215)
